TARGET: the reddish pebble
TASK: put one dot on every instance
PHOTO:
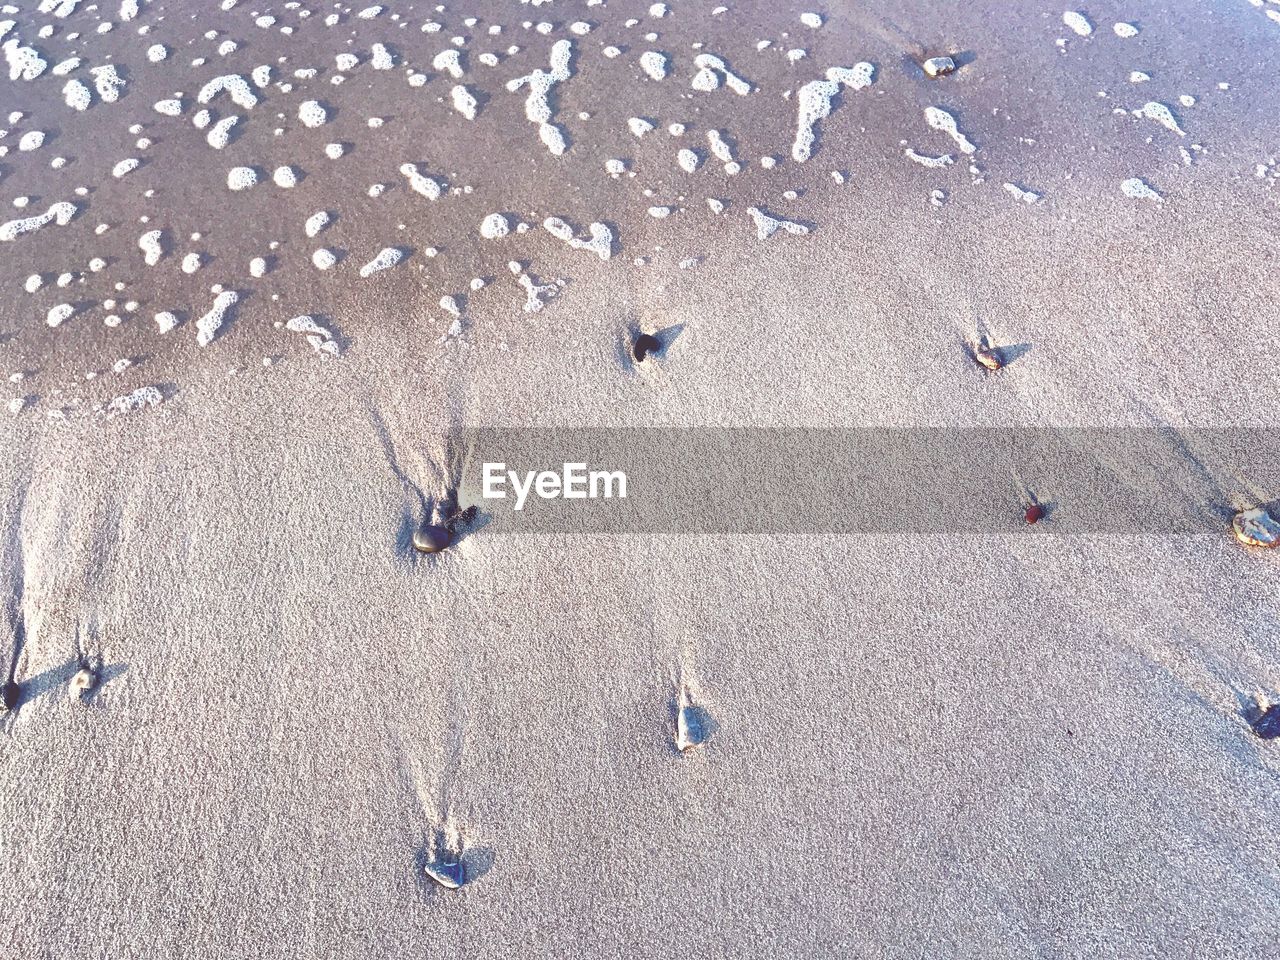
(1035, 513)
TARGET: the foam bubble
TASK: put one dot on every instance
(241, 178)
(152, 246)
(654, 64)
(1136, 189)
(60, 213)
(207, 326)
(139, 399)
(57, 315)
(285, 177)
(1078, 22)
(419, 183)
(464, 102)
(814, 101)
(312, 114)
(387, 258)
(601, 242)
(493, 226)
(77, 95)
(767, 226)
(317, 222)
(324, 259)
(940, 119)
(234, 86)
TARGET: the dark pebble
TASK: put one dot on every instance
(1267, 726)
(646, 344)
(450, 874)
(431, 538)
(1035, 513)
(10, 695)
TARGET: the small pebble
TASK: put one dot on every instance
(84, 680)
(1267, 723)
(1035, 513)
(939, 66)
(10, 695)
(645, 345)
(989, 357)
(1256, 528)
(449, 873)
(432, 538)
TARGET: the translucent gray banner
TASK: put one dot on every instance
(921, 481)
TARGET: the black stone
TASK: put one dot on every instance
(1267, 725)
(431, 538)
(449, 873)
(645, 344)
(10, 695)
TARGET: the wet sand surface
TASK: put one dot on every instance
(1024, 742)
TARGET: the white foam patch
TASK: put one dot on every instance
(1125, 30)
(140, 399)
(465, 102)
(710, 69)
(166, 321)
(387, 258)
(157, 53)
(767, 226)
(494, 226)
(317, 222)
(1161, 115)
(688, 160)
(59, 213)
(124, 167)
(151, 244)
(536, 292)
(170, 108)
(242, 178)
(77, 95)
(931, 162)
(234, 86)
(653, 64)
(285, 177)
(191, 263)
(1026, 196)
(320, 337)
(219, 134)
(450, 62)
(639, 126)
(1136, 189)
(420, 183)
(537, 105)
(381, 58)
(601, 242)
(940, 119)
(31, 140)
(207, 326)
(814, 101)
(324, 259)
(1078, 23)
(312, 114)
(59, 314)
(25, 63)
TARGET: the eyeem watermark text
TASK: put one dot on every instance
(574, 482)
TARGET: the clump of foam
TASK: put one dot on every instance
(77, 95)
(1161, 115)
(156, 53)
(219, 134)
(170, 108)
(285, 177)
(139, 399)
(1026, 196)
(710, 69)
(1135, 189)
(1125, 30)
(535, 292)
(166, 321)
(814, 101)
(25, 63)
(191, 263)
(312, 114)
(107, 82)
(450, 61)
(207, 326)
(1078, 23)
(420, 183)
(31, 140)
(152, 247)
(639, 126)
(494, 226)
(939, 119)
(324, 259)
(58, 314)
(320, 337)
(537, 106)
(381, 58)
(767, 226)
(234, 86)
(688, 160)
(465, 102)
(601, 242)
(241, 178)
(60, 213)
(387, 258)
(931, 162)
(654, 64)
(317, 222)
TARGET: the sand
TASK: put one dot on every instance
(973, 738)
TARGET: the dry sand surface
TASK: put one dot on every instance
(997, 742)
